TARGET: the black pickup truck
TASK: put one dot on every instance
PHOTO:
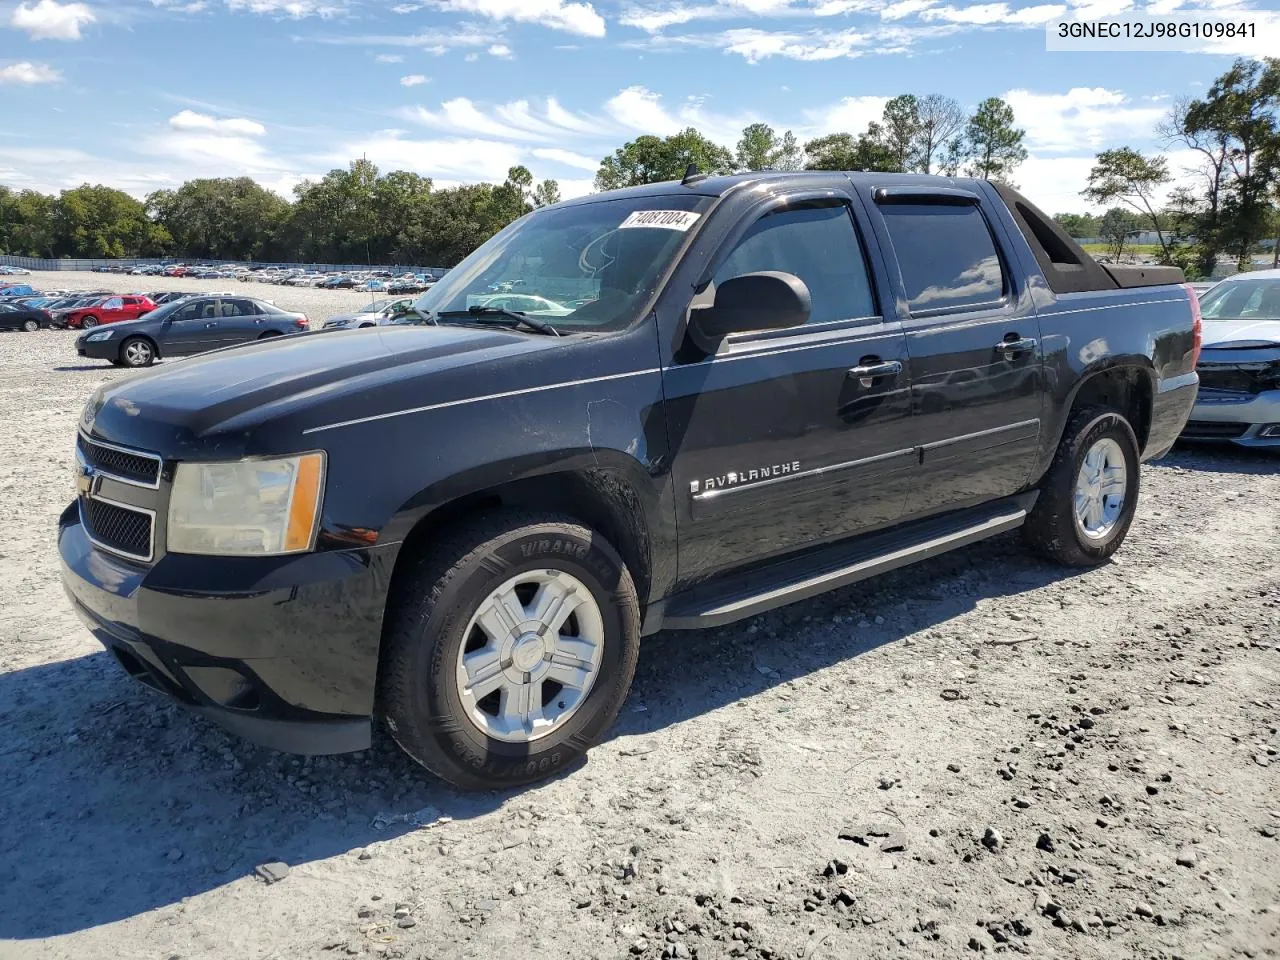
(703, 400)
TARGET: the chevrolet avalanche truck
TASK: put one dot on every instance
(728, 394)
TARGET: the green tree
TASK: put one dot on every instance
(900, 133)
(992, 144)
(1115, 227)
(1126, 175)
(762, 149)
(98, 221)
(650, 159)
(222, 219)
(547, 193)
(843, 151)
(1078, 225)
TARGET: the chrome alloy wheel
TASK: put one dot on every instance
(530, 656)
(137, 353)
(1101, 487)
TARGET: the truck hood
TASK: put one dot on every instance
(339, 318)
(1219, 334)
(174, 408)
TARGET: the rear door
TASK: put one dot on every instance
(790, 438)
(974, 339)
(239, 321)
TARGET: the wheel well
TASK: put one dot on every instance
(596, 499)
(268, 334)
(1127, 389)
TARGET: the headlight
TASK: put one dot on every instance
(103, 335)
(246, 508)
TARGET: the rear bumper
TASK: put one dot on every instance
(1170, 408)
(282, 651)
(1240, 418)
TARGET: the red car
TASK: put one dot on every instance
(108, 310)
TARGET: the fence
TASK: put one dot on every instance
(36, 263)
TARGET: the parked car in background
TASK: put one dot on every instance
(1239, 367)
(189, 326)
(15, 316)
(107, 310)
(375, 314)
(17, 290)
(168, 296)
(11, 271)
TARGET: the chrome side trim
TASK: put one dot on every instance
(489, 396)
(1108, 306)
(815, 472)
(151, 545)
(981, 434)
(144, 454)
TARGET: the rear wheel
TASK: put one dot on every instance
(1090, 494)
(31, 326)
(509, 650)
(89, 322)
(137, 352)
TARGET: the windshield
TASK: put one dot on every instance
(586, 267)
(1243, 300)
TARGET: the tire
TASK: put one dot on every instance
(30, 326)
(89, 322)
(430, 621)
(1055, 529)
(137, 352)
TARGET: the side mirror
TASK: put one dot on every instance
(768, 300)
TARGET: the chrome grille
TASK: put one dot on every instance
(131, 466)
(128, 531)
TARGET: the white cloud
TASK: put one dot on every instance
(189, 120)
(413, 80)
(640, 110)
(469, 160)
(435, 42)
(572, 188)
(389, 58)
(580, 18)
(756, 45)
(849, 115)
(181, 6)
(984, 14)
(50, 20)
(1082, 119)
(297, 9)
(29, 73)
(517, 120)
(501, 51)
(905, 8)
(567, 158)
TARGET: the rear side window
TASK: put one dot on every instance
(947, 256)
(819, 245)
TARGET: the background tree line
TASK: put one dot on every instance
(352, 215)
(360, 215)
(1232, 203)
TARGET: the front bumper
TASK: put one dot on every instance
(99, 349)
(280, 650)
(1241, 418)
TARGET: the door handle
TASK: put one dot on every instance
(870, 371)
(208, 325)
(1011, 348)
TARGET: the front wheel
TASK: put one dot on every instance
(89, 322)
(137, 352)
(510, 648)
(1089, 495)
(31, 326)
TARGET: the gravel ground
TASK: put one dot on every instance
(318, 305)
(976, 755)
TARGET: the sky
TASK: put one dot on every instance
(145, 94)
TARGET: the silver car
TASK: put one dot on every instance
(1239, 365)
(376, 314)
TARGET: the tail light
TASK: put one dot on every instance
(303, 323)
(1197, 326)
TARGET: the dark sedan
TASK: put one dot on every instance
(189, 326)
(17, 316)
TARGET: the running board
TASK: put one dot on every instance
(830, 568)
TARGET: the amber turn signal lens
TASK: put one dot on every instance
(304, 508)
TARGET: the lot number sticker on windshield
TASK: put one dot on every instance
(680, 220)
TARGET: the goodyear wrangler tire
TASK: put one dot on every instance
(509, 650)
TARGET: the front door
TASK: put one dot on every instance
(791, 438)
(974, 340)
(192, 328)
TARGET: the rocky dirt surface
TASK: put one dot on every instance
(979, 755)
(318, 305)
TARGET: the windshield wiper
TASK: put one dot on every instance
(428, 319)
(491, 315)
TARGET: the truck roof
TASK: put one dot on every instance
(717, 186)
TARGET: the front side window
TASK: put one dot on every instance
(818, 244)
(190, 311)
(115, 303)
(947, 256)
(587, 267)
